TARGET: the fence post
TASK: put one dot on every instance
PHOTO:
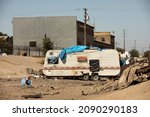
(18, 50)
(39, 51)
(29, 50)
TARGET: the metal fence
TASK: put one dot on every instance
(28, 51)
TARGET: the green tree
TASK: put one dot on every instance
(134, 53)
(1, 34)
(6, 45)
(5, 48)
(146, 53)
(120, 50)
(47, 45)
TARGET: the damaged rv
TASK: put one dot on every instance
(82, 61)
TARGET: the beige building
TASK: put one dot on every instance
(104, 40)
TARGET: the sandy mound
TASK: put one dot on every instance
(16, 65)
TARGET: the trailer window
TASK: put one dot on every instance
(51, 59)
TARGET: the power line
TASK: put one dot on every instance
(118, 9)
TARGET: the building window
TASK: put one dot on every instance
(32, 43)
(103, 39)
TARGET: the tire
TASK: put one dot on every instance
(95, 77)
(85, 77)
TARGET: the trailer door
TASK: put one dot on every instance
(94, 65)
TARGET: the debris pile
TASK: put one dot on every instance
(35, 74)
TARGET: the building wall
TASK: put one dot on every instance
(104, 40)
(112, 41)
(60, 29)
(80, 34)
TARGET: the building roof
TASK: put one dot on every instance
(86, 24)
(104, 33)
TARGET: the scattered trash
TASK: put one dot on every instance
(54, 93)
(4, 54)
(56, 79)
(35, 74)
(25, 81)
(32, 96)
(52, 88)
(29, 70)
(83, 93)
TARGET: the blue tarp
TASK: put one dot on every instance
(72, 49)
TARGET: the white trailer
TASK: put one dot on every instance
(90, 64)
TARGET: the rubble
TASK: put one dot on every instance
(34, 73)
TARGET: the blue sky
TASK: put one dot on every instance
(107, 15)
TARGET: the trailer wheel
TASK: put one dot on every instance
(95, 77)
(85, 77)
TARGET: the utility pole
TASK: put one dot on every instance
(149, 46)
(94, 26)
(134, 44)
(116, 44)
(85, 20)
(124, 43)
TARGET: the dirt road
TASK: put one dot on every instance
(69, 90)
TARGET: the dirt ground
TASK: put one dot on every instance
(13, 68)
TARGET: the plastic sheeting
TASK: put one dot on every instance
(73, 49)
(24, 81)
